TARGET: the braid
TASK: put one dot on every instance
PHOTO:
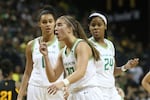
(95, 52)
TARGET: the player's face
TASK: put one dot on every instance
(47, 24)
(62, 30)
(97, 27)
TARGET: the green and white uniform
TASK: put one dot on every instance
(105, 69)
(38, 81)
(87, 87)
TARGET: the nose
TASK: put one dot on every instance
(48, 23)
(55, 27)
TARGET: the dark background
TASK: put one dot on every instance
(131, 14)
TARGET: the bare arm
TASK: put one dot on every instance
(83, 54)
(130, 64)
(27, 73)
(146, 82)
(53, 73)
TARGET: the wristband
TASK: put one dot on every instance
(66, 82)
(123, 69)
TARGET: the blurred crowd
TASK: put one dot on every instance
(18, 26)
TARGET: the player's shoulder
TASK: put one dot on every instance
(80, 44)
(91, 38)
(108, 41)
(31, 42)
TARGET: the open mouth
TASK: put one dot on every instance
(55, 33)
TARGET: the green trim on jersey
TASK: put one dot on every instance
(59, 45)
(43, 62)
(51, 42)
(75, 45)
(74, 48)
(33, 43)
(92, 38)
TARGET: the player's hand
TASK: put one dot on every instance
(43, 48)
(52, 89)
(66, 93)
(132, 63)
(19, 98)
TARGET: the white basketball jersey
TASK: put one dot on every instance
(105, 67)
(38, 75)
(69, 62)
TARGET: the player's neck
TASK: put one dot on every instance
(47, 39)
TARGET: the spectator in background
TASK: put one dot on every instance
(17, 74)
(137, 74)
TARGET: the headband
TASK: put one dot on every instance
(99, 15)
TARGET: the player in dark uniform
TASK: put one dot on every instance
(8, 90)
